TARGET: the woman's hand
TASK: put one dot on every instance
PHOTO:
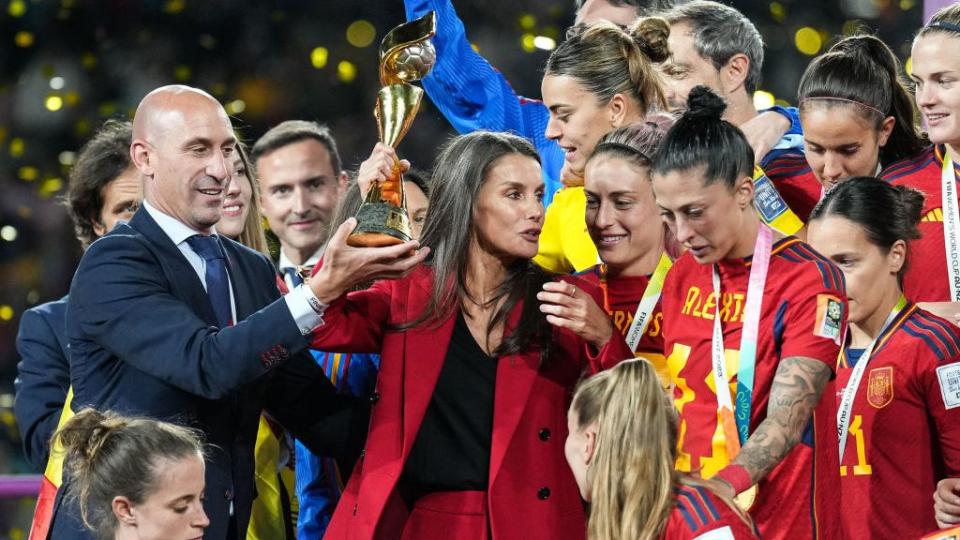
(568, 307)
(946, 503)
(380, 167)
(345, 266)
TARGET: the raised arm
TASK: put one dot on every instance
(472, 95)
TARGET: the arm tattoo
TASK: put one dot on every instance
(795, 392)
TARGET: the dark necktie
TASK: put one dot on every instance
(294, 276)
(218, 284)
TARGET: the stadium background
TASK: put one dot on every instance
(68, 65)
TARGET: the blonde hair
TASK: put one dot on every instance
(608, 60)
(631, 475)
(945, 21)
(252, 234)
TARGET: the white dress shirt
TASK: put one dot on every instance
(284, 263)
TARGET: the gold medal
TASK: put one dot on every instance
(746, 499)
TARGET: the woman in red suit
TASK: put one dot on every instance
(480, 352)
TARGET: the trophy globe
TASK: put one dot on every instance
(406, 56)
(414, 62)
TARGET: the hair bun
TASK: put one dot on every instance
(650, 34)
(912, 201)
(703, 103)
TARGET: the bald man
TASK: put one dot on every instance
(170, 320)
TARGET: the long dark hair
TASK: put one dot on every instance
(862, 72)
(701, 138)
(458, 173)
(886, 212)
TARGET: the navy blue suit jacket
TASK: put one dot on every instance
(143, 340)
(43, 377)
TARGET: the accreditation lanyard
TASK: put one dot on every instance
(735, 421)
(648, 302)
(951, 223)
(850, 391)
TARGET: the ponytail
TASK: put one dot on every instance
(608, 60)
(701, 138)
(108, 455)
(632, 474)
(861, 71)
(887, 213)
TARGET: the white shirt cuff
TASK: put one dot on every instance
(299, 302)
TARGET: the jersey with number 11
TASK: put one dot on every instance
(904, 432)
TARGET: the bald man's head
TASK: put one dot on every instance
(183, 145)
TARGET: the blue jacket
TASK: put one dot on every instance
(143, 340)
(472, 95)
(43, 378)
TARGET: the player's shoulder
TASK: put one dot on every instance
(697, 506)
(922, 331)
(587, 276)
(785, 163)
(899, 170)
(568, 198)
(800, 264)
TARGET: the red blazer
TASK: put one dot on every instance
(531, 493)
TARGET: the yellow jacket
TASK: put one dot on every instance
(565, 245)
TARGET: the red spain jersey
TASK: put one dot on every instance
(794, 180)
(700, 513)
(622, 298)
(926, 279)
(803, 314)
(904, 432)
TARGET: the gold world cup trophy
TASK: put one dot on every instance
(406, 55)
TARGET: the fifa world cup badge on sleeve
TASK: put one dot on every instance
(829, 317)
(949, 378)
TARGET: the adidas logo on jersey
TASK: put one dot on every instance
(934, 215)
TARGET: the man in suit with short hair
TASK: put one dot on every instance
(169, 320)
(105, 188)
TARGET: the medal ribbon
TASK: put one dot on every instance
(850, 391)
(651, 295)
(735, 421)
(951, 223)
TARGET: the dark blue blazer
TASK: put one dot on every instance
(143, 340)
(43, 378)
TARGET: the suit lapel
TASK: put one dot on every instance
(425, 348)
(183, 278)
(516, 375)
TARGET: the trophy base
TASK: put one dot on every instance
(380, 224)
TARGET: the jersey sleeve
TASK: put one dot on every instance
(812, 322)
(699, 515)
(942, 391)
